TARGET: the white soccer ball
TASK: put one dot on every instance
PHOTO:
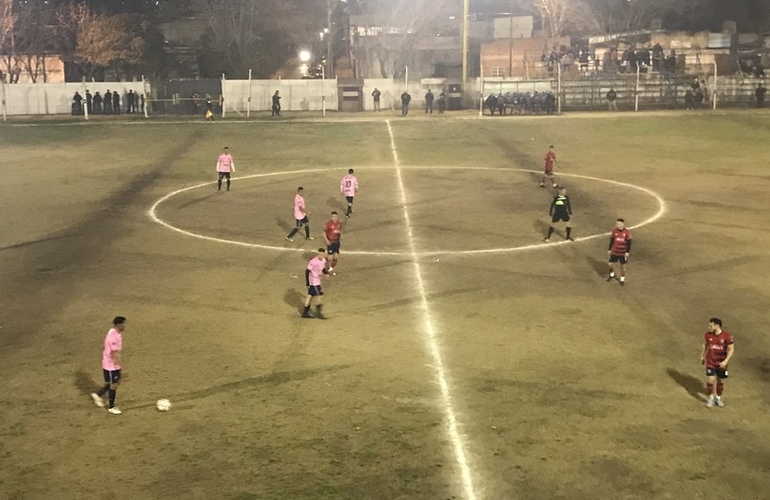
(163, 405)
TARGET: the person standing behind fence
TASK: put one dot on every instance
(405, 99)
(429, 102)
(115, 102)
(276, 104)
(97, 103)
(611, 97)
(376, 96)
(130, 99)
(77, 104)
(89, 102)
(108, 102)
(760, 94)
(442, 101)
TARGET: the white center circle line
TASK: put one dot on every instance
(662, 209)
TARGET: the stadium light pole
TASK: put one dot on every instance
(466, 9)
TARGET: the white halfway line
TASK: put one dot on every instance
(431, 335)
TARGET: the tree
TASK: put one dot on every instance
(7, 24)
(390, 29)
(261, 35)
(555, 15)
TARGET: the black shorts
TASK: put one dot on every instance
(716, 372)
(225, 175)
(302, 221)
(111, 376)
(333, 248)
(349, 198)
(314, 290)
(560, 217)
(618, 258)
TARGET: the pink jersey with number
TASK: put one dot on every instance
(299, 206)
(316, 268)
(113, 343)
(349, 185)
(224, 162)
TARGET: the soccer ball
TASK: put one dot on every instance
(163, 405)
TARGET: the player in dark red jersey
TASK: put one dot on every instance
(550, 158)
(332, 237)
(619, 249)
(718, 349)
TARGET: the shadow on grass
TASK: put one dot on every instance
(692, 385)
(84, 383)
(273, 379)
(293, 298)
(337, 204)
(599, 266)
(283, 224)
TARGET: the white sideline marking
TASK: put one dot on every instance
(662, 209)
(431, 336)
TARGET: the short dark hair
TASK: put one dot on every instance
(716, 321)
(334, 212)
(321, 250)
(300, 188)
(551, 146)
(621, 220)
(226, 147)
(119, 320)
(350, 170)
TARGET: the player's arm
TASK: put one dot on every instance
(730, 352)
(307, 277)
(552, 207)
(232, 165)
(628, 247)
(569, 207)
(609, 247)
(703, 353)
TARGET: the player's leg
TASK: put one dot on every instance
(308, 300)
(569, 231)
(553, 180)
(333, 250)
(306, 223)
(219, 181)
(113, 391)
(550, 231)
(295, 230)
(613, 259)
(720, 388)
(350, 206)
(710, 387)
(542, 181)
(227, 175)
(98, 395)
(319, 304)
(622, 271)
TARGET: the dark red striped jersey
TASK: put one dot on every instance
(620, 241)
(716, 347)
(332, 230)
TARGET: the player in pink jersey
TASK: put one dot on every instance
(225, 165)
(111, 365)
(315, 269)
(348, 188)
(300, 215)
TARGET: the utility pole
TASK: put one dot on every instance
(466, 10)
(510, 43)
(329, 39)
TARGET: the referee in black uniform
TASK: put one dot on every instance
(560, 210)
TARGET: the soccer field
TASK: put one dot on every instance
(462, 356)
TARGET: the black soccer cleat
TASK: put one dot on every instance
(307, 315)
(622, 283)
(610, 278)
(570, 238)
